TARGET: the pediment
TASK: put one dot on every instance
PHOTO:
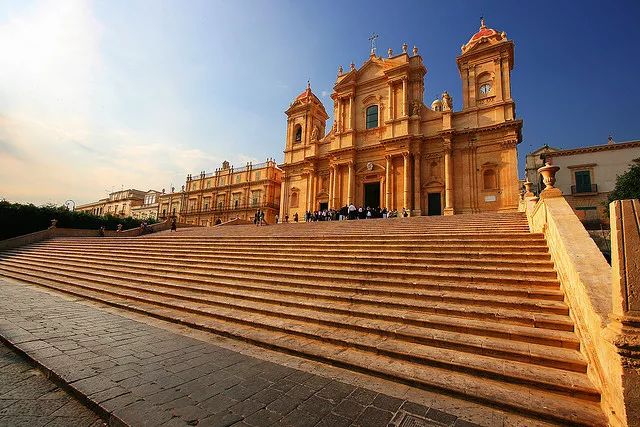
(371, 70)
(370, 167)
(433, 182)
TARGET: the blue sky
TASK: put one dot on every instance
(101, 95)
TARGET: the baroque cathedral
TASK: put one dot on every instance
(386, 148)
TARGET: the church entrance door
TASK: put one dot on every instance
(372, 195)
(324, 206)
(435, 204)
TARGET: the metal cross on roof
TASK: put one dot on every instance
(372, 39)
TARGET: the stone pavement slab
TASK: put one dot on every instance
(137, 374)
(28, 398)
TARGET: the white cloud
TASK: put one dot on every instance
(53, 144)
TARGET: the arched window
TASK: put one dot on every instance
(298, 133)
(489, 179)
(372, 117)
(294, 200)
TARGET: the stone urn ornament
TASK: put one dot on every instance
(548, 172)
(527, 189)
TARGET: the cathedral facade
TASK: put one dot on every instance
(388, 149)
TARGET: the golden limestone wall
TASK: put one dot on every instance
(386, 148)
(604, 301)
(230, 193)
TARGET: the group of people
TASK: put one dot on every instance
(258, 218)
(347, 212)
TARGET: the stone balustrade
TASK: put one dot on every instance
(605, 300)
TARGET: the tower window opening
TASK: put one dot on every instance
(298, 133)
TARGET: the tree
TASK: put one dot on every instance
(627, 184)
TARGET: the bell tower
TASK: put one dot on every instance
(306, 122)
(485, 66)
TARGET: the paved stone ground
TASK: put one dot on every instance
(28, 398)
(143, 375)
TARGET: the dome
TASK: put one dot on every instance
(436, 105)
(483, 34)
(307, 95)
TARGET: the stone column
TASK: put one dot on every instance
(387, 198)
(337, 118)
(331, 178)
(283, 198)
(404, 97)
(448, 178)
(351, 124)
(417, 174)
(390, 102)
(406, 199)
(332, 201)
(351, 183)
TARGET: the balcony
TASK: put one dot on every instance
(584, 189)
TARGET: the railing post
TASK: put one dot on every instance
(624, 329)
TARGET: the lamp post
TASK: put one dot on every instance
(70, 202)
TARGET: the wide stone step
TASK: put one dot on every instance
(560, 381)
(328, 275)
(417, 248)
(372, 260)
(341, 314)
(380, 253)
(370, 239)
(486, 328)
(563, 401)
(324, 266)
(460, 308)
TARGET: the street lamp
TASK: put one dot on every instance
(70, 204)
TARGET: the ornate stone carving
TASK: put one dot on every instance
(369, 166)
(509, 143)
(390, 52)
(416, 108)
(404, 47)
(415, 50)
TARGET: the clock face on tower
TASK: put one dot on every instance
(485, 89)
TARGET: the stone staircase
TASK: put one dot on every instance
(468, 305)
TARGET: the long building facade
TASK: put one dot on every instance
(386, 148)
(230, 193)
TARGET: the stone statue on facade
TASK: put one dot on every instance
(315, 133)
(447, 102)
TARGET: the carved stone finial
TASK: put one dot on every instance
(390, 52)
(352, 66)
(340, 70)
(415, 50)
(548, 172)
(527, 186)
(404, 47)
(482, 25)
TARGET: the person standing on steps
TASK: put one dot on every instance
(295, 217)
(174, 225)
(262, 221)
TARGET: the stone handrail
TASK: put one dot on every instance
(595, 294)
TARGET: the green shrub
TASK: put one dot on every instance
(17, 219)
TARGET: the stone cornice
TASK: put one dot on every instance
(595, 148)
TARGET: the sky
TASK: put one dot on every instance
(98, 96)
